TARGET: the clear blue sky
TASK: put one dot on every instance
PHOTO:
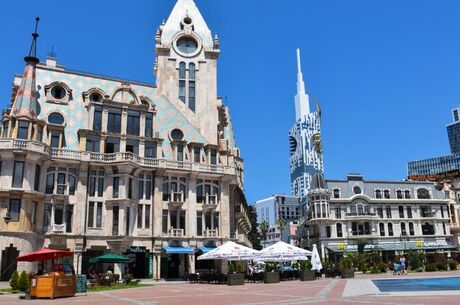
(386, 72)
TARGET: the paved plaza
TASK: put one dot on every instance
(324, 291)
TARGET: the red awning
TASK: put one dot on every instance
(43, 255)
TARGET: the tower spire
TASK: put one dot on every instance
(25, 103)
(302, 103)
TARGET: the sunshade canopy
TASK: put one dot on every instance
(315, 259)
(206, 248)
(178, 250)
(230, 251)
(282, 252)
(43, 255)
(109, 258)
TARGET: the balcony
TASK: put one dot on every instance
(427, 214)
(355, 215)
(176, 232)
(210, 202)
(58, 228)
(211, 233)
(176, 199)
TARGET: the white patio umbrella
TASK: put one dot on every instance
(315, 260)
(230, 251)
(282, 252)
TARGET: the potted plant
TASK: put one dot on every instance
(271, 275)
(306, 274)
(235, 274)
(346, 267)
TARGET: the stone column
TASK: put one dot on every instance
(142, 125)
(191, 263)
(191, 209)
(124, 121)
(105, 116)
(157, 206)
(224, 226)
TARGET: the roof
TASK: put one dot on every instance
(25, 103)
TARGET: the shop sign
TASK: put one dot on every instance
(135, 250)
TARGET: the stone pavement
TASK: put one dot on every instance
(324, 291)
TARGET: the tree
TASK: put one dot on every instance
(14, 280)
(253, 235)
(23, 283)
(264, 226)
(281, 225)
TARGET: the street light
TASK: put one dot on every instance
(404, 238)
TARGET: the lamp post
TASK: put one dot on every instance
(404, 238)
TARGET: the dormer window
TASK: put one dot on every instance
(56, 119)
(336, 193)
(177, 135)
(56, 130)
(95, 97)
(58, 92)
(378, 194)
(386, 194)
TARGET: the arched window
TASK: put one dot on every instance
(386, 194)
(56, 118)
(323, 207)
(339, 230)
(401, 211)
(182, 80)
(61, 181)
(390, 229)
(399, 194)
(207, 191)
(191, 87)
(423, 194)
(403, 229)
(411, 229)
(174, 189)
(407, 194)
(382, 229)
(336, 193)
(378, 194)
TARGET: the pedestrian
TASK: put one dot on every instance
(402, 261)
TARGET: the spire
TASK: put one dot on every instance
(175, 23)
(302, 103)
(25, 102)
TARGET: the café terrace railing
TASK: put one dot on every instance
(82, 156)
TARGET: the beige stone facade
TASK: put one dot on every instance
(108, 165)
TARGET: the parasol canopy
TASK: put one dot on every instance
(109, 258)
(230, 251)
(282, 252)
(315, 260)
(43, 255)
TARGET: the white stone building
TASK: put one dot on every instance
(97, 164)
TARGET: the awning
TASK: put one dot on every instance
(109, 258)
(179, 250)
(206, 248)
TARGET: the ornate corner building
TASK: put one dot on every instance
(306, 153)
(97, 164)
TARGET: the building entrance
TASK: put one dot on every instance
(140, 261)
(9, 264)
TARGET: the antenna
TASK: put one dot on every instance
(33, 46)
(52, 53)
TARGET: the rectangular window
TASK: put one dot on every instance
(37, 178)
(182, 221)
(199, 223)
(99, 215)
(380, 212)
(14, 209)
(115, 220)
(148, 124)
(182, 90)
(216, 220)
(164, 222)
(147, 217)
(456, 115)
(388, 212)
(165, 189)
(23, 130)
(180, 153)
(148, 187)
(68, 218)
(92, 186)
(196, 154)
(46, 216)
(328, 231)
(55, 135)
(132, 146)
(97, 121)
(100, 186)
(140, 209)
(213, 156)
(5, 129)
(112, 145)
(114, 120)
(58, 214)
(150, 150)
(93, 143)
(50, 183)
(116, 187)
(127, 219)
(18, 173)
(133, 124)
(91, 214)
(130, 188)
(409, 212)
(61, 184)
(442, 211)
(140, 187)
(191, 95)
(33, 215)
(338, 213)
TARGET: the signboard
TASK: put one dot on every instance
(81, 283)
(134, 250)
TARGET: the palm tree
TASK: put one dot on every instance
(281, 225)
(264, 226)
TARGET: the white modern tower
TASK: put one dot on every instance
(306, 154)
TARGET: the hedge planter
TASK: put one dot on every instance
(271, 277)
(347, 273)
(235, 279)
(307, 275)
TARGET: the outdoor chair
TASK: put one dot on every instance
(193, 278)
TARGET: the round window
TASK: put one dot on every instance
(56, 118)
(95, 97)
(58, 92)
(357, 189)
(177, 135)
(187, 45)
